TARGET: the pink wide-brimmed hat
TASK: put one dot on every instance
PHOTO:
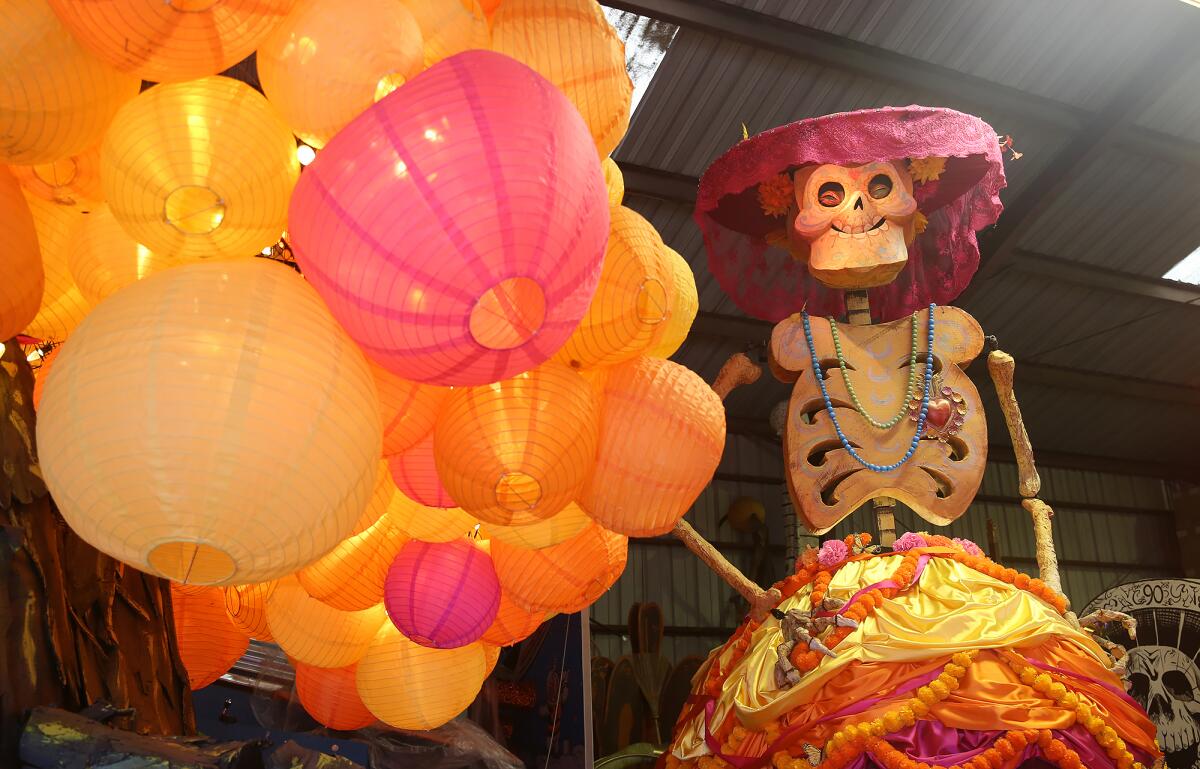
(958, 198)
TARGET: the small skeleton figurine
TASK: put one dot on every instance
(1120, 657)
(805, 627)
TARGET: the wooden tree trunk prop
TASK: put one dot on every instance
(77, 625)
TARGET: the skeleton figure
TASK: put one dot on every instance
(1164, 681)
(802, 627)
(1095, 621)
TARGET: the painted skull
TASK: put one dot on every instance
(1164, 681)
(857, 220)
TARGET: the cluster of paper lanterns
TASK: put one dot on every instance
(441, 427)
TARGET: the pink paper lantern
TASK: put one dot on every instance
(442, 595)
(456, 228)
(415, 474)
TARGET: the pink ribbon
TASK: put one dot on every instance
(884, 585)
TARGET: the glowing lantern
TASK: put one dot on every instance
(560, 527)
(316, 633)
(443, 595)
(328, 61)
(410, 686)
(63, 305)
(415, 473)
(565, 577)
(512, 624)
(632, 301)
(330, 695)
(571, 44)
(499, 249)
(200, 169)
(246, 606)
(491, 656)
(614, 182)
(517, 451)
(409, 410)
(662, 431)
(449, 26)
(70, 180)
(208, 642)
(489, 6)
(24, 279)
(55, 97)
(211, 424)
(104, 259)
(172, 40)
(429, 524)
(684, 304)
(381, 497)
(351, 576)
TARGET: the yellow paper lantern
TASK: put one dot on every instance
(72, 180)
(562, 578)
(351, 576)
(208, 641)
(449, 27)
(24, 279)
(571, 44)
(381, 499)
(330, 695)
(517, 451)
(104, 259)
(211, 424)
(408, 409)
(200, 169)
(172, 40)
(63, 305)
(512, 623)
(246, 606)
(409, 686)
(662, 431)
(491, 655)
(684, 304)
(560, 527)
(429, 524)
(614, 180)
(316, 633)
(632, 302)
(328, 61)
(55, 97)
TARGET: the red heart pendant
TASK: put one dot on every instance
(939, 413)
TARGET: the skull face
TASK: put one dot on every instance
(1164, 681)
(857, 220)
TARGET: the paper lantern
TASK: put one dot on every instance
(246, 606)
(103, 258)
(318, 634)
(560, 527)
(519, 450)
(63, 305)
(684, 304)
(512, 623)
(614, 182)
(662, 431)
(173, 40)
(443, 594)
(328, 61)
(208, 641)
(410, 686)
(211, 424)
(449, 26)
(565, 577)
(352, 575)
(414, 471)
(24, 278)
(408, 410)
(489, 6)
(200, 169)
(499, 249)
(40, 374)
(330, 696)
(632, 302)
(571, 44)
(72, 180)
(381, 498)
(429, 524)
(56, 99)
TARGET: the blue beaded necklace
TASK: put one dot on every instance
(912, 448)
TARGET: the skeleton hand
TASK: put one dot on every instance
(1104, 616)
(801, 627)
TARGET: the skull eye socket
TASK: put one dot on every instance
(1175, 682)
(831, 194)
(880, 186)
(1139, 687)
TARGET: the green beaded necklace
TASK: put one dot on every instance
(912, 379)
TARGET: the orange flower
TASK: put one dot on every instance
(1055, 751)
(1006, 748)
(776, 195)
(1022, 581)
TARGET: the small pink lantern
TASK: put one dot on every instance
(456, 228)
(415, 473)
(442, 595)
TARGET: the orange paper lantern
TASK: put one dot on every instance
(512, 624)
(449, 26)
(208, 641)
(684, 304)
(72, 180)
(408, 410)
(351, 576)
(409, 686)
(56, 99)
(560, 527)
(415, 472)
(327, 62)
(104, 259)
(662, 431)
(200, 169)
(518, 450)
(173, 40)
(246, 606)
(429, 524)
(316, 633)
(381, 498)
(63, 305)
(24, 279)
(632, 302)
(562, 578)
(571, 44)
(330, 695)
(614, 180)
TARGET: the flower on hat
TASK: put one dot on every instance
(775, 195)
(926, 169)
(833, 553)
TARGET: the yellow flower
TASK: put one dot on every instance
(919, 708)
(776, 195)
(907, 717)
(1069, 700)
(939, 689)
(950, 682)
(962, 659)
(926, 695)
(926, 169)
(1057, 691)
(955, 670)
(891, 721)
(1043, 683)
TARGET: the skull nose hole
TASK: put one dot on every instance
(858, 204)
